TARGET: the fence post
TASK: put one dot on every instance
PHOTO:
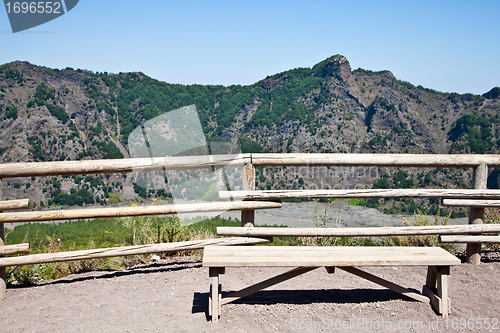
(476, 215)
(248, 216)
(3, 271)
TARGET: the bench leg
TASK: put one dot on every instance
(431, 278)
(442, 291)
(436, 288)
(214, 304)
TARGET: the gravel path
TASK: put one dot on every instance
(172, 296)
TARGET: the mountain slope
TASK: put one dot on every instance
(49, 114)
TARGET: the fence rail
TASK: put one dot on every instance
(359, 232)
(377, 160)
(479, 194)
(57, 215)
(33, 169)
(126, 251)
(373, 193)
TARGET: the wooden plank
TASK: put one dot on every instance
(54, 215)
(436, 301)
(430, 281)
(360, 193)
(214, 299)
(125, 251)
(14, 204)
(357, 232)
(469, 203)
(22, 248)
(442, 292)
(231, 297)
(31, 169)
(380, 160)
(476, 214)
(387, 284)
(326, 256)
(308, 250)
(470, 239)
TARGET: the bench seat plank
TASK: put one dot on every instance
(289, 256)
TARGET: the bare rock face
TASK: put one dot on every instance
(344, 72)
(336, 66)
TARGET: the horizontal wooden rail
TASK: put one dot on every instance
(14, 204)
(358, 232)
(469, 239)
(125, 251)
(55, 215)
(470, 203)
(32, 169)
(15, 249)
(371, 193)
(376, 160)
(121, 165)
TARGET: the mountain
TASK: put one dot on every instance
(49, 114)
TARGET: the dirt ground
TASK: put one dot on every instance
(172, 296)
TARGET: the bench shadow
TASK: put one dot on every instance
(138, 270)
(335, 296)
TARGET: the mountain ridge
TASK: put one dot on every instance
(50, 114)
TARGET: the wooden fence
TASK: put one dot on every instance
(477, 198)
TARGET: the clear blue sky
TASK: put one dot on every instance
(450, 46)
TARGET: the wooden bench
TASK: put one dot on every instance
(305, 259)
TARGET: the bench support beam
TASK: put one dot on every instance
(387, 284)
(436, 288)
(234, 296)
(435, 291)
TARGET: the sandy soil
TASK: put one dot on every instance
(172, 296)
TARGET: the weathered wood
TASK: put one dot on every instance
(476, 215)
(31, 169)
(305, 256)
(14, 204)
(54, 215)
(469, 239)
(357, 232)
(125, 251)
(435, 300)
(9, 170)
(248, 216)
(389, 285)
(442, 292)
(360, 193)
(345, 258)
(470, 203)
(431, 279)
(234, 296)
(215, 301)
(15, 249)
(379, 160)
